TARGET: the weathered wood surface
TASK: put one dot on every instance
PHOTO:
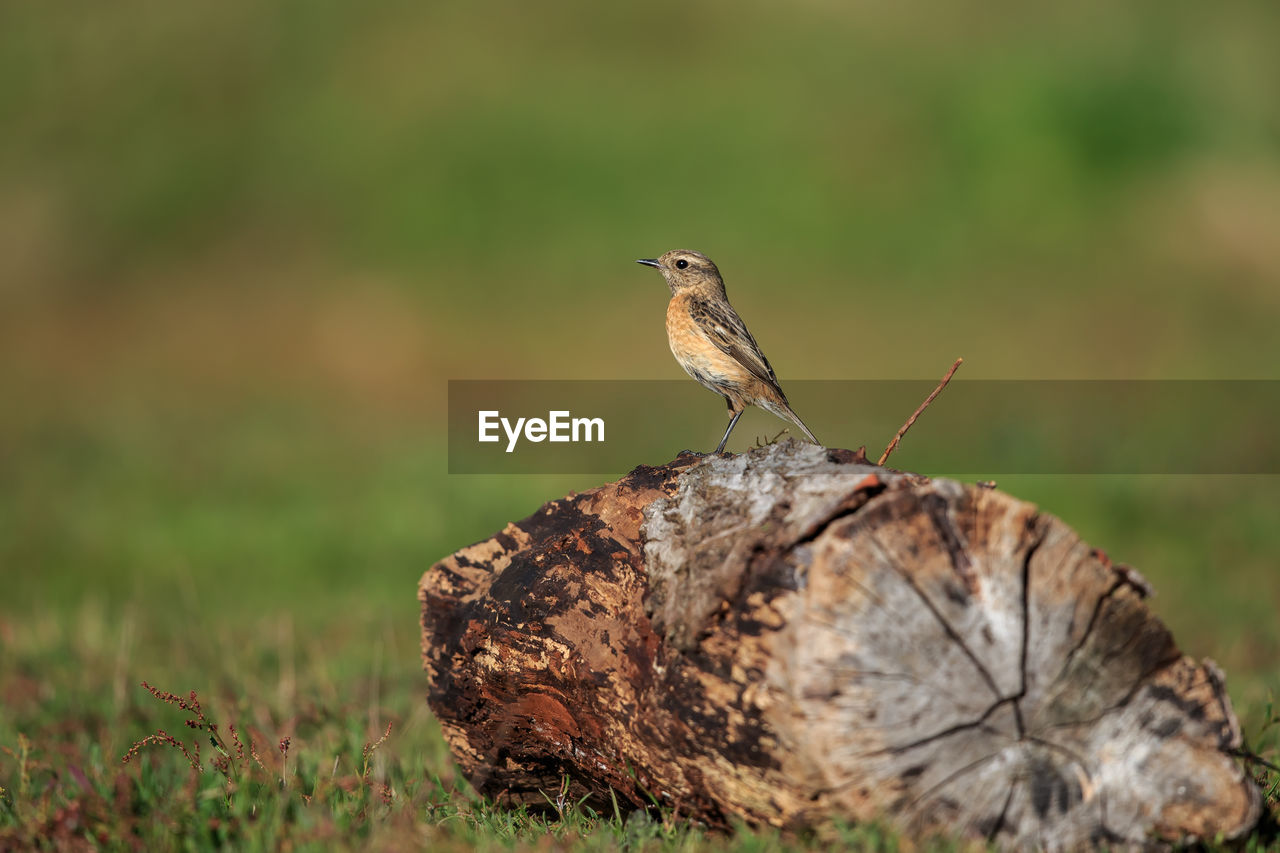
(791, 635)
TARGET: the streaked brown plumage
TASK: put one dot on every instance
(711, 342)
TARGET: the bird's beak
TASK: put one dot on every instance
(649, 262)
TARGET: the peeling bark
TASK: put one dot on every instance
(791, 635)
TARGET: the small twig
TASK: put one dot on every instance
(927, 400)
(768, 441)
(1253, 757)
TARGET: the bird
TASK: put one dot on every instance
(712, 344)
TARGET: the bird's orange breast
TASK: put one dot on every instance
(695, 352)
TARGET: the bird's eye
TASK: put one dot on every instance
(681, 264)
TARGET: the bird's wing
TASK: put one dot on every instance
(725, 329)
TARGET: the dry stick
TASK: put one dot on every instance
(927, 400)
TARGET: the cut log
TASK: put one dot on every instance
(791, 636)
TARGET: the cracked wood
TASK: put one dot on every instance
(790, 636)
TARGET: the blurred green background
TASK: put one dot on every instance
(243, 247)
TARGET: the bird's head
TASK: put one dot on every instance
(683, 269)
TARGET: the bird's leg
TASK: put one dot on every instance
(733, 421)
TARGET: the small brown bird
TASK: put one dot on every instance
(712, 343)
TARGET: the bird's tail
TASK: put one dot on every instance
(804, 428)
(783, 410)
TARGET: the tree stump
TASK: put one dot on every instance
(791, 636)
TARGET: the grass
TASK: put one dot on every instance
(221, 773)
(201, 781)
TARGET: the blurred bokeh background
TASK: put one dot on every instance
(244, 246)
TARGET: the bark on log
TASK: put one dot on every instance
(792, 635)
